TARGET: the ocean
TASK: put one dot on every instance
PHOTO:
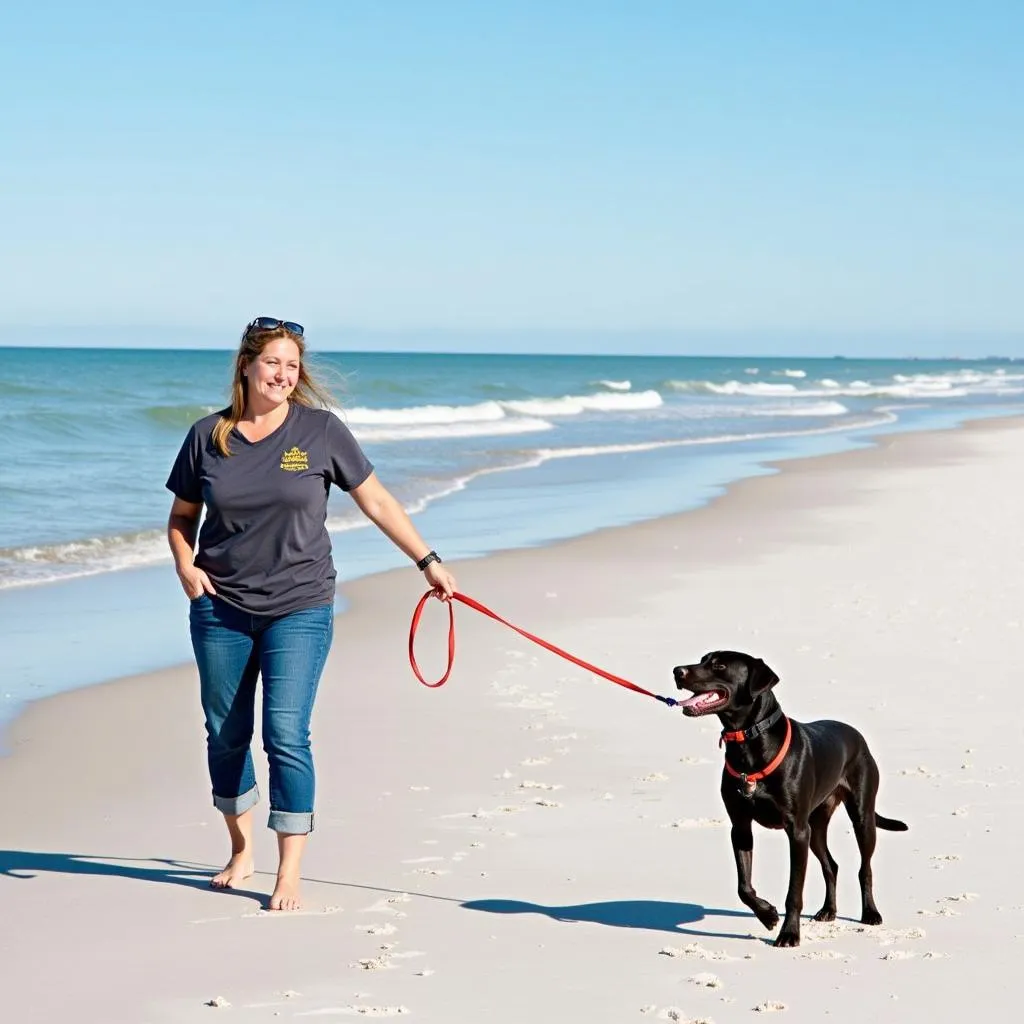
(488, 452)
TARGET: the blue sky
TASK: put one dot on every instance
(671, 175)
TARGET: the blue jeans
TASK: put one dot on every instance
(232, 648)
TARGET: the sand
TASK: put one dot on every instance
(529, 843)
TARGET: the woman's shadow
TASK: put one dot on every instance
(26, 864)
(655, 915)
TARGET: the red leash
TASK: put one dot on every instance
(671, 702)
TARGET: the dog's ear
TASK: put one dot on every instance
(761, 677)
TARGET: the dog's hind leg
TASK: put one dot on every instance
(818, 821)
(860, 805)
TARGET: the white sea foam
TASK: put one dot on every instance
(615, 385)
(758, 388)
(514, 416)
(511, 425)
(801, 409)
(877, 419)
(417, 415)
(573, 405)
(957, 384)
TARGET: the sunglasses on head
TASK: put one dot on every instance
(271, 323)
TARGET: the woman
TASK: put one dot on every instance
(261, 583)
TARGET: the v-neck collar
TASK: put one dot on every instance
(277, 430)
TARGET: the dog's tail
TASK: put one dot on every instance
(890, 824)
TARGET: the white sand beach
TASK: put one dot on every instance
(530, 843)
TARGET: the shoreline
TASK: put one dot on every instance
(347, 592)
(540, 830)
(139, 597)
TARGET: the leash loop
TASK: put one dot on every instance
(484, 610)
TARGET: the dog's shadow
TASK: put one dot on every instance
(26, 864)
(653, 915)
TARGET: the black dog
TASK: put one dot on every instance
(786, 774)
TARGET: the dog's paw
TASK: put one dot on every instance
(768, 916)
(826, 914)
(871, 917)
(788, 938)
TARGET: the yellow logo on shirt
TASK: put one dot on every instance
(294, 460)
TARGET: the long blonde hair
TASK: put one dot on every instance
(308, 391)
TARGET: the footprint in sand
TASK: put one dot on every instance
(695, 951)
(380, 962)
(962, 897)
(528, 704)
(528, 784)
(887, 936)
(562, 737)
(289, 915)
(388, 905)
(541, 802)
(376, 929)
(653, 777)
(769, 1006)
(705, 980)
(696, 823)
(482, 813)
(361, 1010)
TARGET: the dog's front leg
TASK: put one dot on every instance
(799, 833)
(743, 851)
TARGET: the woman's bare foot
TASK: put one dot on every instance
(240, 867)
(236, 871)
(286, 893)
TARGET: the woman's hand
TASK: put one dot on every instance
(195, 582)
(182, 524)
(441, 580)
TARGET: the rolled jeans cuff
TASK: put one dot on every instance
(295, 823)
(237, 804)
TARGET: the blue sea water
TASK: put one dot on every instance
(488, 451)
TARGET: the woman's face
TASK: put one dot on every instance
(273, 374)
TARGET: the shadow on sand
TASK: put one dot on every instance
(654, 915)
(24, 864)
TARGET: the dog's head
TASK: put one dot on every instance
(723, 681)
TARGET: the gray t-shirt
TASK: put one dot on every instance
(264, 541)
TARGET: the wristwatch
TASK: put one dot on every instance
(430, 556)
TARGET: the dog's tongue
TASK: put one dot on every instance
(696, 702)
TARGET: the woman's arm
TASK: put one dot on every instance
(380, 506)
(182, 524)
